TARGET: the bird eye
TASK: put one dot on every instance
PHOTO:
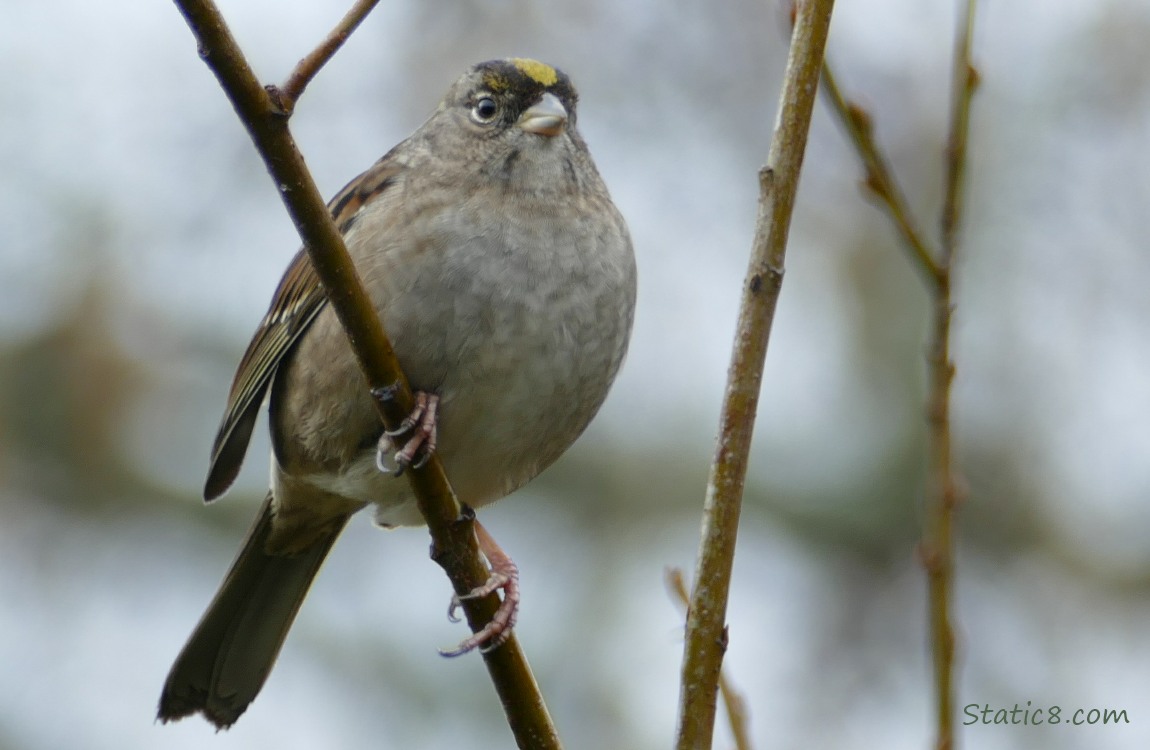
(485, 110)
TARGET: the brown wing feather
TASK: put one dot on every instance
(297, 301)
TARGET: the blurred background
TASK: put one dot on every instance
(140, 241)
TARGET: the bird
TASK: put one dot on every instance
(505, 277)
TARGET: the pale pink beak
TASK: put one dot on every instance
(546, 117)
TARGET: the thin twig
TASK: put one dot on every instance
(938, 535)
(880, 179)
(937, 545)
(963, 86)
(737, 714)
(706, 634)
(288, 94)
(453, 538)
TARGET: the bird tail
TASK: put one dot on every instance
(233, 648)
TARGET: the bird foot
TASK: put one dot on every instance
(417, 449)
(505, 577)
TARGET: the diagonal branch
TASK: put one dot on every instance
(706, 635)
(288, 94)
(452, 533)
(879, 177)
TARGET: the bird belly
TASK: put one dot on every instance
(520, 348)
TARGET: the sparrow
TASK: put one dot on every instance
(505, 278)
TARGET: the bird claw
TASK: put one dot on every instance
(498, 630)
(417, 450)
(383, 448)
(504, 576)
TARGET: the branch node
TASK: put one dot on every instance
(386, 393)
(930, 558)
(955, 492)
(874, 186)
(281, 104)
(766, 179)
(860, 119)
(460, 526)
(973, 79)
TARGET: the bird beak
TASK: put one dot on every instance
(546, 117)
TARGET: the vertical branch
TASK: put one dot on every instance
(963, 85)
(937, 544)
(938, 536)
(706, 635)
(737, 715)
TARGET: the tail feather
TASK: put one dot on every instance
(234, 646)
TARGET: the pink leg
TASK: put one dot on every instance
(505, 576)
(422, 423)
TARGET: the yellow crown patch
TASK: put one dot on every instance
(541, 73)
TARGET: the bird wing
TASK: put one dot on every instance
(296, 303)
